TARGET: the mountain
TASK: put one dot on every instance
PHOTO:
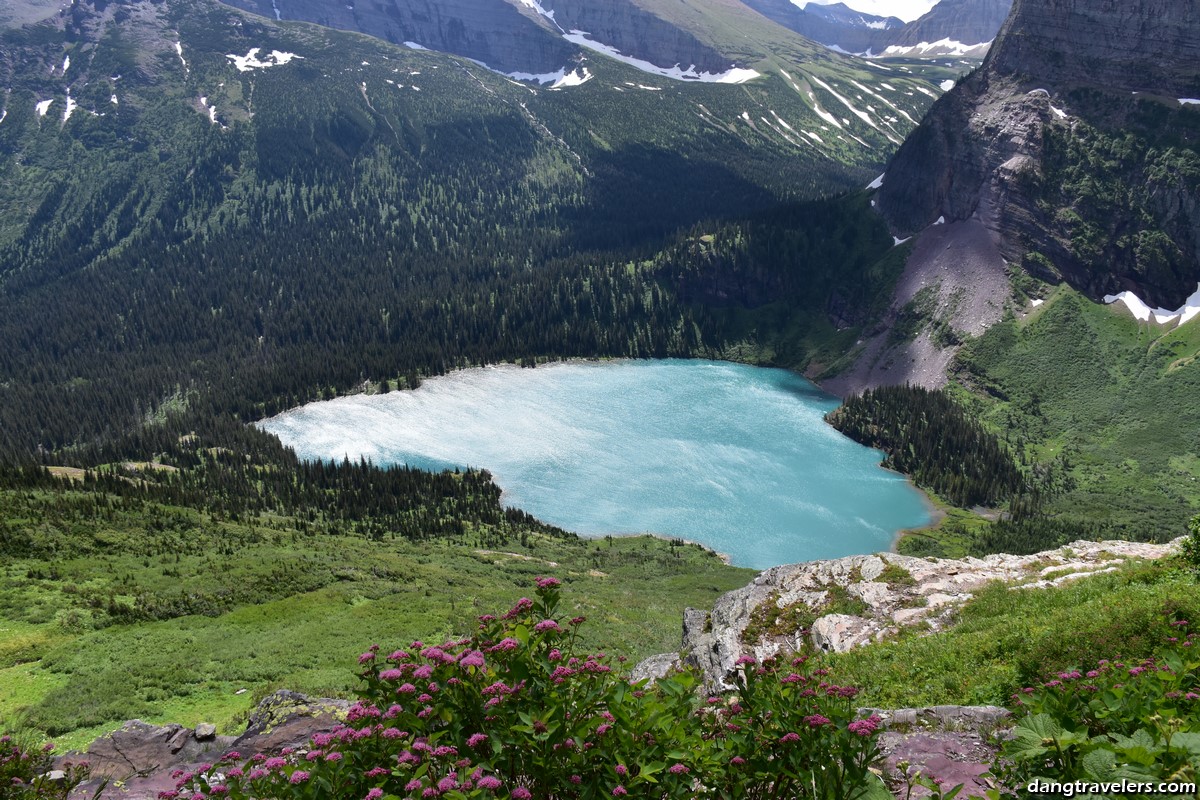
(842, 14)
(1073, 148)
(1047, 209)
(529, 37)
(1067, 157)
(177, 176)
(836, 26)
(951, 28)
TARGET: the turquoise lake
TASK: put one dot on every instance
(737, 458)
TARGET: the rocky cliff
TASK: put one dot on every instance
(1073, 147)
(826, 25)
(1148, 46)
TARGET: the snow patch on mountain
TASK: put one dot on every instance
(576, 77)
(907, 10)
(537, 7)
(43, 107)
(212, 110)
(864, 116)
(1143, 312)
(942, 47)
(732, 75)
(251, 61)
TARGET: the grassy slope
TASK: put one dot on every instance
(316, 602)
(1118, 399)
(1005, 639)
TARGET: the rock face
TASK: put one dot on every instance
(1015, 145)
(137, 760)
(890, 592)
(1130, 46)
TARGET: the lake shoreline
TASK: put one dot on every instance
(696, 450)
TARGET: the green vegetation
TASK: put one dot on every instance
(520, 711)
(24, 767)
(1099, 190)
(247, 593)
(322, 237)
(1100, 406)
(1006, 639)
(1131, 719)
(935, 440)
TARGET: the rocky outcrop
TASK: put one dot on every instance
(135, 762)
(1010, 145)
(637, 31)
(888, 592)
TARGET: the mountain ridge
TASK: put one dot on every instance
(950, 28)
(991, 147)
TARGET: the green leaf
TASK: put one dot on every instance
(1098, 765)
(1043, 726)
(874, 789)
(1187, 742)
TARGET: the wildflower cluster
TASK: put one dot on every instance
(788, 731)
(1132, 720)
(24, 772)
(517, 712)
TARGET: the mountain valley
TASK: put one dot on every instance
(213, 212)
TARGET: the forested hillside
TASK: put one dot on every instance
(929, 436)
(185, 226)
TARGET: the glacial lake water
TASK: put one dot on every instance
(737, 458)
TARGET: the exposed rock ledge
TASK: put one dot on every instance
(894, 592)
